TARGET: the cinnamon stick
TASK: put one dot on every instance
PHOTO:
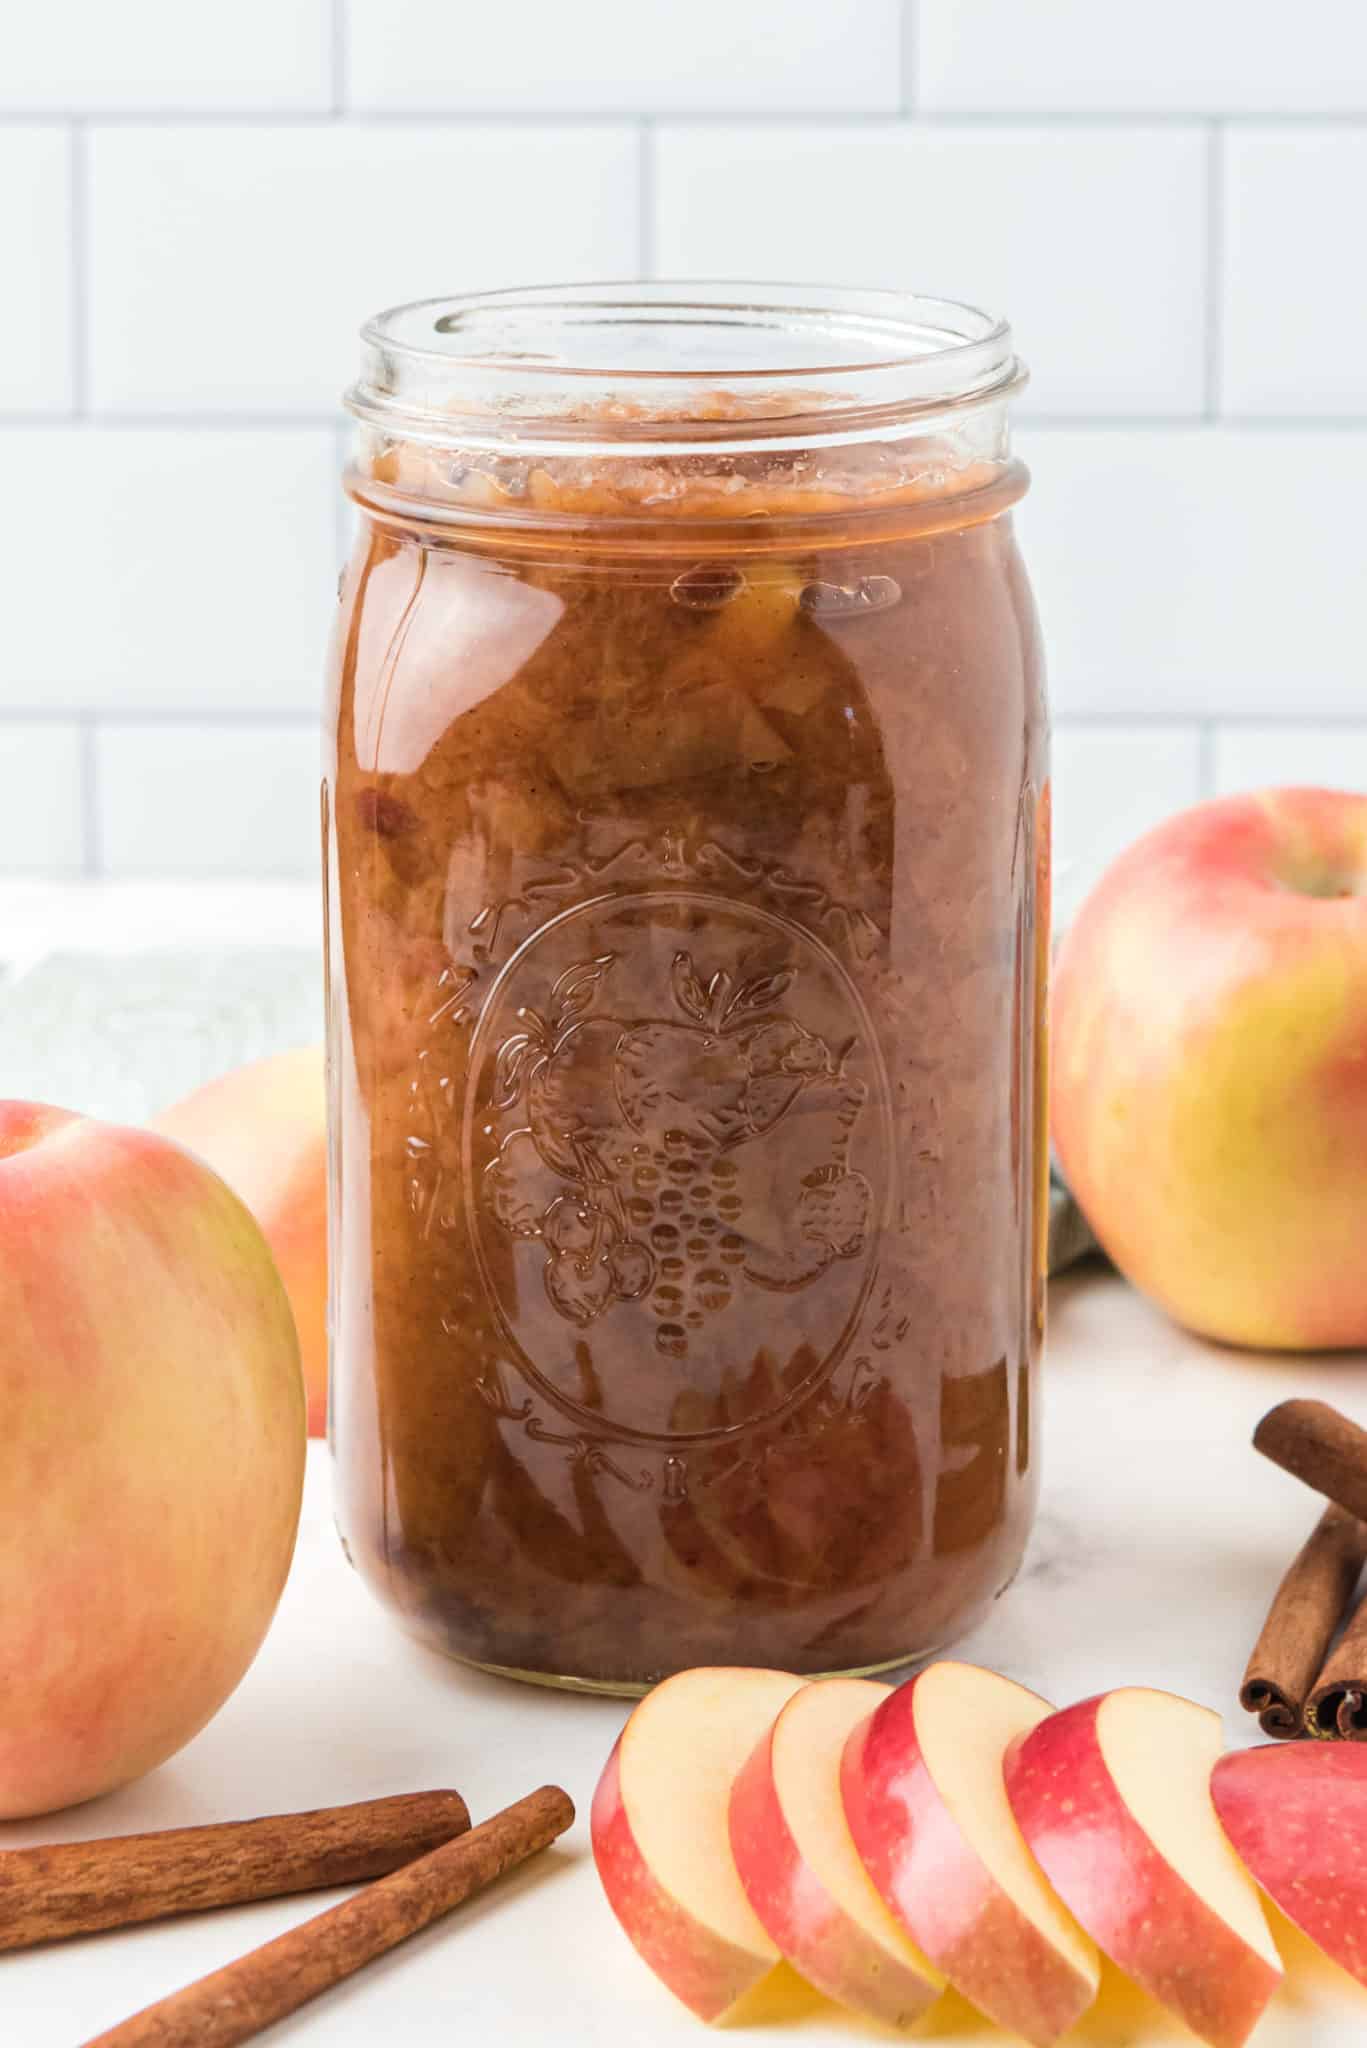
(1337, 1706)
(1309, 1605)
(234, 2004)
(71, 1888)
(1316, 1444)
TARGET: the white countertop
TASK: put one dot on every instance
(1160, 1538)
(117, 998)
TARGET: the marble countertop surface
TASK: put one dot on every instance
(1160, 1538)
(117, 998)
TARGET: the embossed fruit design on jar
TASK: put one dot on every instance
(686, 839)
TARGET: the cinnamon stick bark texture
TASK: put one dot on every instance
(1337, 1706)
(236, 2003)
(1316, 1444)
(78, 1887)
(1309, 1605)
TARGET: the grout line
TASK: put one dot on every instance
(234, 420)
(910, 21)
(338, 56)
(1185, 718)
(646, 178)
(1038, 118)
(1215, 266)
(1193, 422)
(92, 849)
(78, 256)
(1206, 758)
(228, 420)
(1118, 721)
(446, 119)
(101, 717)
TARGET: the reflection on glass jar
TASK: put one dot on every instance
(687, 843)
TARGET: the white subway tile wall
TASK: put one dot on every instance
(196, 210)
(153, 567)
(1110, 784)
(84, 57)
(1166, 57)
(1295, 332)
(185, 799)
(35, 270)
(42, 827)
(1093, 238)
(1253, 756)
(1203, 570)
(231, 272)
(626, 57)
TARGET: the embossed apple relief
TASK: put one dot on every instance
(676, 1161)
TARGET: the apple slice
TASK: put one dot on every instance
(923, 1792)
(801, 1871)
(661, 1838)
(1297, 1815)
(1113, 1796)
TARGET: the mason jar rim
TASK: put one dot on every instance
(676, 362)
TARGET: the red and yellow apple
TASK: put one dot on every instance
(1210, 1067)
(927, 1808)
(1296, 1814)
(151, 1454)
(263, 1128)
(1113, 1796)
(801, 1871)
(661, 1835)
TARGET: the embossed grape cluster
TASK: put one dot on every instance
(684, 1202)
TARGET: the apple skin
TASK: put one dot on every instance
(152, 1458)
(701, 1968)
(1296, 1814)
(810, 1927)
(936, 1882)
(263, 1129)
(1131, 1901)
(1210, 1067)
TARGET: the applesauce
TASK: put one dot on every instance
(686, 845)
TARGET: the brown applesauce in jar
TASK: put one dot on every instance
(687, 841)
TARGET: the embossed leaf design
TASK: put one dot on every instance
(762, 992)
(534, 1021)
(516, 1186)
(453, 985)
(718, 995)
(575, 991)
(512, 1061)
(865, 936)
(689, 993)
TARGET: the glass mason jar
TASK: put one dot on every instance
(687, 851)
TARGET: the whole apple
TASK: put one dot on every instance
(151, 1452)
(1210, 1067)
(264, 1128)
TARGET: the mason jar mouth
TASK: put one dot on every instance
(676, 364)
